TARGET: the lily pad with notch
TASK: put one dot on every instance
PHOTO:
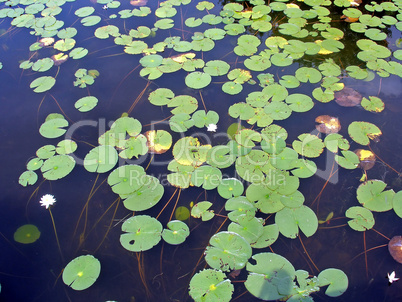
(101, 159)
(336, 279)
(200, 210)
(362, 132)
(227, 251)
(81, 272)
(176, 233)
(142, 232)
(57, 167)
(362, 218)
(210, 285)
(290, 220)
(372, 196)
(230, 187)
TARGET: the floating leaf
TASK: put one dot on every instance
(299, 102)
(230, 187)
(198, 80)
(249, 228)
(57, 167)
(334, 141)
(66, 147)
(210, 285)
(206, 176)
(362, 218)
(227, 251)
(145, 197)
(86, 104)
(271, 278)
(101, 159)
(126, 179)
(373, 104)
(309, 145)
(362, 132)
(26, 234)
(372, 196)
(200, 210)
(348, 97)
(308, 74)
(142, 233)
(182, 213)
(188, 151)
(81, 272)
(176, 233)
(290, 220)
(27, 178)
(42, 84)
(158, 141)
(336, 279)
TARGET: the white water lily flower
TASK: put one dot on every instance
(391, 278)
(212, 128)
(47, 200)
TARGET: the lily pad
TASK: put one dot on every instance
(200, 210)
(227, 251)
(86, 104)
(336, 279)
(198, 80)
(101, 159)
(176, 233)
(290, 220)
(308, 145)
(188, 151)
(26, 234)
(145, 197)
(43, 84)
(81, 272)
(142, 233)
(159, 141)
(206, 176)
(362, 218)
(210, 285)
(271, 278)
(362, 132)
(230, 187)
(57, 167)
(27, 178)
(126, 179)
(372, 196)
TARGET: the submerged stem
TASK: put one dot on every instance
(55, 233)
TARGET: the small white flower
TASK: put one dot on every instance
(391, 278)
(105, 7)
(212, 128)
(47, 200)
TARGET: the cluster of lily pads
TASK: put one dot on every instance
(269, 170)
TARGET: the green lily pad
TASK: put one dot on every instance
(308, 145)
(57, 167)
(105, 31)
(299, 102)
(126, 126)
(253, 166)
(289, 220)
(270, 234)
(84, 11)
(126, 179)
(78, 53)
(101, 159)
(200, 210)
(164, 23)
(362, 218)
(304, 168)
(34, 164)
(265, 199)
(198, 80)
(193, 22)
(86, 104)
(278, 110)
(210, 285)
(151, 61)
(271, 278)
(220, 156)
(184, 104)
(46, 151)
(142, 233)
(176, 233)
(247, 137)
(181, 122)
(308, 74)
(232, 88)
(349, 160)
(216, 68)
(43, 64)
(336, 279)
(230, 187)
(227, 251)
(362, 132)
(181, 176)
(145, 197)
(66, 147)
(241, 210)
(281, 59)
(27, 178)
(91, 21)
(372, 104)
(42, 84)
(81, 272)
(372, 196)
(26, 234)
(161, 96)
(206, 176)
(249, 228)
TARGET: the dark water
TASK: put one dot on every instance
(32, 272)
